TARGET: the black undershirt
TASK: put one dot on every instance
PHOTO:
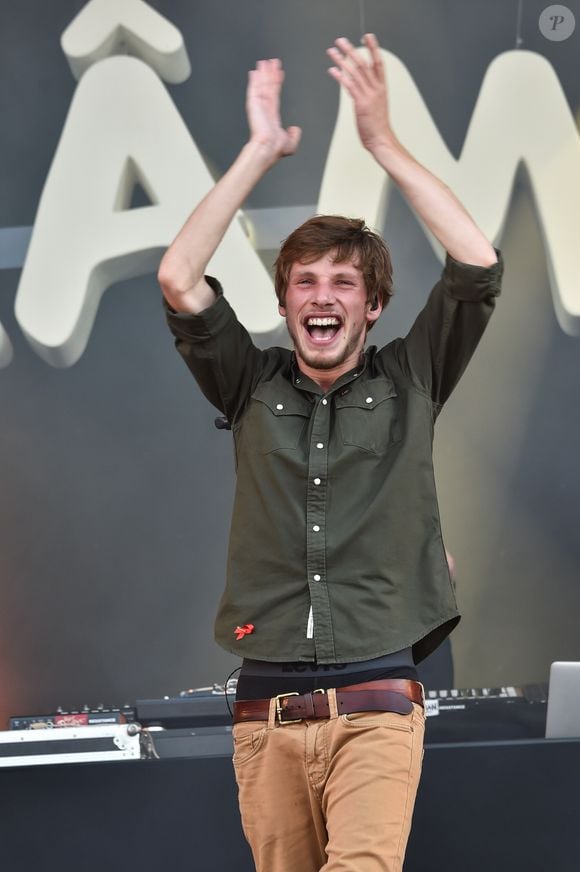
(261, 680)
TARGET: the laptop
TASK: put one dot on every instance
(563, 718)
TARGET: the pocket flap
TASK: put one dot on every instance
(366, 396)
(280, 403)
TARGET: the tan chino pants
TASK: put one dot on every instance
(332, 795)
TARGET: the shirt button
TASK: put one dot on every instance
(368, 400)
(320, 444)
(316, 577)
(298, 381)
(316, 528)
(316, 481)
(280, 406)
(324, 402)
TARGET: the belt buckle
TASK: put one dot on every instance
(280, 710)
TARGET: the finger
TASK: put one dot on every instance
(348, 51)
(370, 69)
(252, 80)
(294, 135)
(266, 79)
(353, 54)
(274, 69)
(372, 43)
(271, 67)
(349, 66)
(344, 80)
(345, 45)
(353, 61)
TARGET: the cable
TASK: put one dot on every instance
(361, 13)
(519, 39)
(227, 681)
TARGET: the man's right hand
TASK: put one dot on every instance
(263, 110)
(181, 273)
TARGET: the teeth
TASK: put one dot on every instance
(323, 322)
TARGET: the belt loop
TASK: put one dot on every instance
(332, 705)
(272, 714)
(422, 686)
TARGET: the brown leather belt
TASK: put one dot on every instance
(386, 695)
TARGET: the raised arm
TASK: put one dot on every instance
(182, 269)
(432, 200)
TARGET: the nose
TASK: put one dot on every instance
(323, 293)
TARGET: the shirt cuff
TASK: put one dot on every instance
(204, 324)
(467, 281)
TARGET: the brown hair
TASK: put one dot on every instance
(351, 239)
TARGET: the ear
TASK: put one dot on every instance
(374, 309)
(282, 310)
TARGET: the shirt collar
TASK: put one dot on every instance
(304, 383)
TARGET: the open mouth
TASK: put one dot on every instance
(322, 330)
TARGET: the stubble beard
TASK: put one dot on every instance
(318, 359)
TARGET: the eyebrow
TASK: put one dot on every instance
(306, 274)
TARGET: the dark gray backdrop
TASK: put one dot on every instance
(115, 486)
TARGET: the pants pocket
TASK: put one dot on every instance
(248, 738)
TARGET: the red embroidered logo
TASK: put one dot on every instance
(243, 631)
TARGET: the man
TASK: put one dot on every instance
(337, 578)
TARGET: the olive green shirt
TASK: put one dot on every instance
(335, 550)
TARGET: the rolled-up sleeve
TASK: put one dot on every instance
(441, 342)
(218, 351)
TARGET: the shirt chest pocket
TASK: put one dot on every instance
(276, 420)
(370, 419)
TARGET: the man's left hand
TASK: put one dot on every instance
(366, 83)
